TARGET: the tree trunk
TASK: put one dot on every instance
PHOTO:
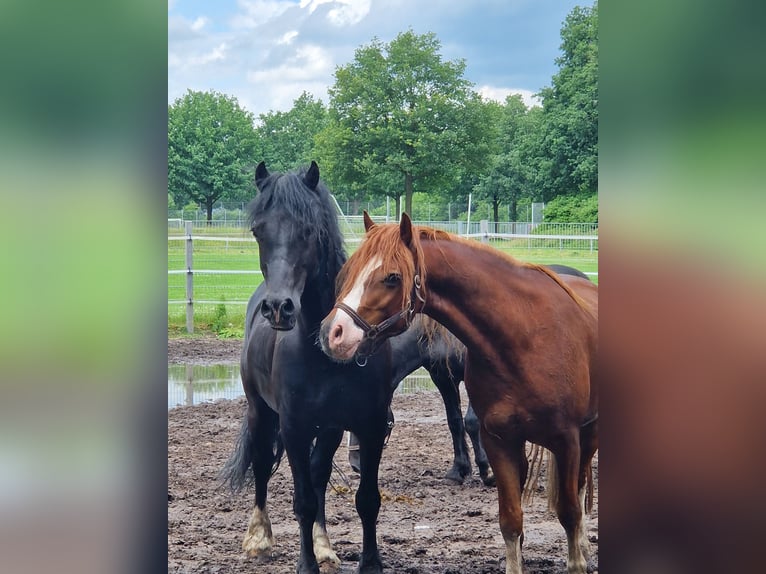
(209, 207)
(398, 208)
(495, 207)
(408, 193)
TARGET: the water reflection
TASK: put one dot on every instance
(195, 384)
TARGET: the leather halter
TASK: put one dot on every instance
(372, 332)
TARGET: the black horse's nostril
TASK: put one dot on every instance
(287, 308)
(267, 310)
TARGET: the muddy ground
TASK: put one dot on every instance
(426, 525)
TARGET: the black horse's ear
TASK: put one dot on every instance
(368, 222)
(261, 173)
(311, 179)
(405, 229)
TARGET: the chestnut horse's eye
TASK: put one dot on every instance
(392, 280)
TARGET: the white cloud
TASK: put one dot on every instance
(259, 12)
(308, 63)
(344, 12)
(199, 23)
(217, 54)
(499, 94)
(288, 37)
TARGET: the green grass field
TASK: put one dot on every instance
(233, 290)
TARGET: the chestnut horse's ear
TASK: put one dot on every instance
(261, 173)
(405, 229)
(368, 222)
(311, 179)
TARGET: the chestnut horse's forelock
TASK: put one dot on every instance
(383, 241)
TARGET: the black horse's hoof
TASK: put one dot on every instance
(488, 480)
(458, 473)
(303, 568)
(370, 565)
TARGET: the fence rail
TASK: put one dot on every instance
(219, 255)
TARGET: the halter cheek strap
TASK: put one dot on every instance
(372, 332)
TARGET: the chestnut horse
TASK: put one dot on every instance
(531, 340)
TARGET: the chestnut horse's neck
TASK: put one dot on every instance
(488, 301)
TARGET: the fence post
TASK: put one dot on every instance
(189, 281)
(484, 229)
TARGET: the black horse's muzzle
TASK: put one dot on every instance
(280, 313)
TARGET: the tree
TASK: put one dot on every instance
(569, 138)
(287, 138)
(507, 177)
(211, 149)
(403, 120)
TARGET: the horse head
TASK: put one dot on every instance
(380, 291)
(287, 246)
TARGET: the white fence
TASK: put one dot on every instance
(237, 250)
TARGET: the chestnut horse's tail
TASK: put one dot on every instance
(532, 485)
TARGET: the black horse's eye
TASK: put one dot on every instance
(392, 280)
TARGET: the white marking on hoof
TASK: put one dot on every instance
(513, 555)
(583, 541)
(322, 547)
(258, 538)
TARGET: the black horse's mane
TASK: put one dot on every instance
(312, 211)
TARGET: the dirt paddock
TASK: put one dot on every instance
(426, 525)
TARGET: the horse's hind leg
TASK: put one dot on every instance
(568, 508)
(321, 468)
(461, 466)
(480, 456)
(262, 424)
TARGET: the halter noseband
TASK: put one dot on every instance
(372, 332)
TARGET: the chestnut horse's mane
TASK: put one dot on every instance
(384, 241)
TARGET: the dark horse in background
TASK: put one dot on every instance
(443, 356)
(298, 399)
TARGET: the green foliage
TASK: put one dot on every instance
(287, 138)
(568, 141)
(572, 209)
(211, 149)
(402, 120)
(219, 319)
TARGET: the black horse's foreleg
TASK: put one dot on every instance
(305, 505)
(321, 468)
(262, 425)
(368, 502)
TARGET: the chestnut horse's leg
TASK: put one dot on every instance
(568, 509)
(507, 460)
(321, 467)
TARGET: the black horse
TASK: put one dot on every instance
(442, 355)
(297, 396)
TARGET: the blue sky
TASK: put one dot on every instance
(267, 52)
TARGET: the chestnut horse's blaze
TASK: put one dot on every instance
(531, 340)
